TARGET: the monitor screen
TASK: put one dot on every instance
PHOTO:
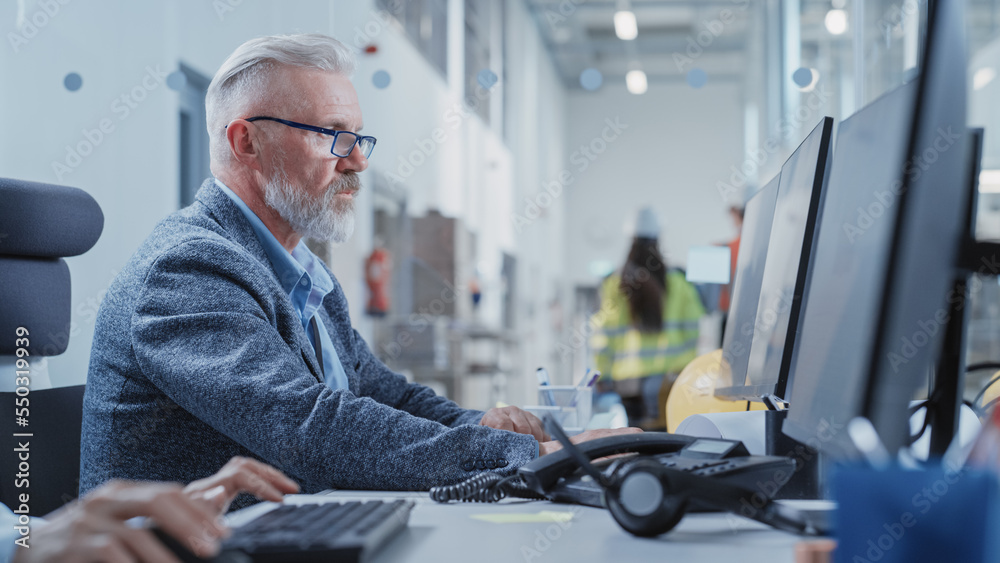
(886, 253)
(800, 196)
(746, 290)
(929, 233)
(848, 266)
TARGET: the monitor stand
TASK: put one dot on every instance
(945, 399)
(946, 395)
(807, 481)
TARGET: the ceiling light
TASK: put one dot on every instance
(805, 79)
(591, 79)
(836, 22)
(982, 77)
(635, 81)
(626, 27)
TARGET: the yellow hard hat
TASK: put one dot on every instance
(991, 393)
(694, 390)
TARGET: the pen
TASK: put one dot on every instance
(543, 380)
(589, 378)
(593, 380)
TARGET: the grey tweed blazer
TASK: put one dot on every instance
(198, 356)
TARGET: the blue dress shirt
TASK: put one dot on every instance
(303, 277)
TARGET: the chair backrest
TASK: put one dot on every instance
(48, 461)
(40, 224)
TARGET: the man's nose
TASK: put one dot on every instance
(354, 162)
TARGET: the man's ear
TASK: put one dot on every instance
(243, 144)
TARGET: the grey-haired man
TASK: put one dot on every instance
(224, 335)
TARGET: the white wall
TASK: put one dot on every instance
(670, 155)
(133, 171)
(537, 106)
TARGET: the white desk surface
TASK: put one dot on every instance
(447, 532)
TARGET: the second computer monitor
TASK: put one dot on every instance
(886, 254)
(799, 200)
(749, 272)
(840, 318)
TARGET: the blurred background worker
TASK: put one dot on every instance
(646, 330)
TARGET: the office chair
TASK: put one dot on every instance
(39, 225)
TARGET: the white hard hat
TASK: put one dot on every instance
(646, 225)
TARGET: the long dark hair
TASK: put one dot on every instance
(644, 284)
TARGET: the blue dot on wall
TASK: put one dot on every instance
(591, 79)
(802, 77)
(381, 79)
(73, 82)
(486, 78)
(696, 78)
(176, 80)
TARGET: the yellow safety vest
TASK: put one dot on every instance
(623, 352)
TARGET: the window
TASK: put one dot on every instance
(479, 19)
(425, 22)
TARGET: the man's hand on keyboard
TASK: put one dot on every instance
(94, 528)
(242, 474)
(515, 420)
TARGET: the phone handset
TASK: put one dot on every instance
(541, 474)
(647, 498)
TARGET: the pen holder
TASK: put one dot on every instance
(574, 403)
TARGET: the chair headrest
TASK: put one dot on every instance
(46, 220)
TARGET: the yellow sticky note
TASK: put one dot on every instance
(525, 517)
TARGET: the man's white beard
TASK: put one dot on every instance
(326, 218)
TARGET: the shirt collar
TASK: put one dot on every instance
(298, 271)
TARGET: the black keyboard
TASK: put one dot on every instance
(330, 531)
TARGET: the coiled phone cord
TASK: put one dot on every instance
(485, 487)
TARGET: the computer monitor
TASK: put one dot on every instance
(886, 253)
(738, 335)
(799, 199)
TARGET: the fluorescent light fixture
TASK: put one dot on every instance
(836, 22)
(989, 182)
(626, 27)
(635, 81)
(982, 77)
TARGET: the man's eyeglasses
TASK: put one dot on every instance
(343, 141)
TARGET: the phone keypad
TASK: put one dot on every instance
(698, 467)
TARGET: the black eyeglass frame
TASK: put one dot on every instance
(358, 139)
